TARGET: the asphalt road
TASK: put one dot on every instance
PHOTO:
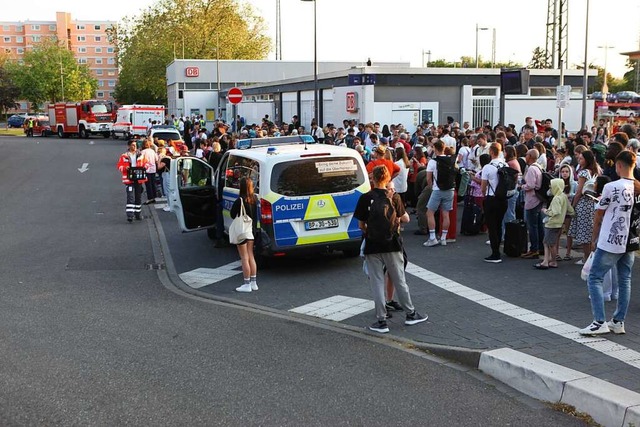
(89, 336)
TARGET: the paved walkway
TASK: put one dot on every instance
(471, 304)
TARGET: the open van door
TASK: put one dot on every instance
(192, 195)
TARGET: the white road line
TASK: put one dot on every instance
(602, 345)
(337, 308)
(201, 277)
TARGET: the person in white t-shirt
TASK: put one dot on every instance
(615, 239)
(448, 140)
(441, 199)
(494, 207)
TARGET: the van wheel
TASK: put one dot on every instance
(106, 135)
(60, 132)
(351, 253)
(83, 133)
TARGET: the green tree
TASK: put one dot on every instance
(48, 69)
(9, 92)
(538, 59)
(147, 43)
(469, 62)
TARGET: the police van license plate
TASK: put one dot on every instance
(321, 223)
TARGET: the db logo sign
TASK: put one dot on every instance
(192, 71)
(352, 102)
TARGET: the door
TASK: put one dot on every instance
(192, 195)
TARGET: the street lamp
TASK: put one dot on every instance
(605, 87)
(428, 53)
(585, 76)
(315, 62)
(478, 29)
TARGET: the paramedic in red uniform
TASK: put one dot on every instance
(133, 188)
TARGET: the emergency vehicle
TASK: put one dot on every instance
(41, 125)
(308, 193)
(82, 118)
(132, 120)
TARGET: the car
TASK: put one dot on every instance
(627, 96)
(598, 96)
(626, 112)
(166, 133)
(612, 97)
(41, 126)
(16, 121)
(307, 192)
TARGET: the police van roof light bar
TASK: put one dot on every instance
(244, 144)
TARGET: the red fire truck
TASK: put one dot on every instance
(82, 118)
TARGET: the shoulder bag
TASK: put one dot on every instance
(241, 228)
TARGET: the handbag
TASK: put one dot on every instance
(586, 268)
(241, 228)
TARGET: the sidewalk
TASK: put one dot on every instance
(472, 305)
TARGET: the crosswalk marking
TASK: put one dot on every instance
(600, 344)
(201, 277)
(337, 308)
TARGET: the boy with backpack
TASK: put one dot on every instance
(379, 217)
(555, 215)
(441, 175)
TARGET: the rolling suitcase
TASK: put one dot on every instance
(471, 218)
(515, 238)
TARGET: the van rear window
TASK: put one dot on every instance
(313, 176)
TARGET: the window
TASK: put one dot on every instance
(111, 73)
(192, 173)
(6, 28)
(112, 83)
(82, 60)
(100, 94)
(111, 61)
(96, 27)
(98, 50)
(79, 27)
(35, 27)
(18, 27)
(7, 39)
(98, 72)
(543, 91)
(35, 38)
(98, 60)
(100, 83)
(19, 39)
(316, 176)
(240, 167)
(82, 38)
(82, 50)
(484, 92)
(52, 27)
(20, 51)
(98, 38)
(109, 50)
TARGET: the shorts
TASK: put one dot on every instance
(551, 236)
(440, 198)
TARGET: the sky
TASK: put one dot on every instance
(355, 30)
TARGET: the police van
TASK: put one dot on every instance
(307, 192)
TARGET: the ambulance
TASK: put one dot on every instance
(132, 120)
(307, 192)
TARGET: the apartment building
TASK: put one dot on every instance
(86, 39)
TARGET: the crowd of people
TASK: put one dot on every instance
(560, 184)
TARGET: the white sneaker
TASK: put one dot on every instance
(431, 242)
(580, 262)
(488, 242)
(595, 329)
(254, 286)
(166, 209)
(443, 242)
(244, 288)
(616, 327)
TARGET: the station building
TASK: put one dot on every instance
(384, 92)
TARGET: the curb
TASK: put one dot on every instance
(609, 405)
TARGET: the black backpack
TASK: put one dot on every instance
(543, 192)
(447, 172)
(507, 182)
(381, 224)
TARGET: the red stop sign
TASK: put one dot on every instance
(235, 95)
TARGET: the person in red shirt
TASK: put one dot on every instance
(379, 159)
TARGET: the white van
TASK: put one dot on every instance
(308, 193)
(132, 120)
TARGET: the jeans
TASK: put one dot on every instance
(533, 218)
(165, 185)
(510, 214)
(602, 263)
(494, 210)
